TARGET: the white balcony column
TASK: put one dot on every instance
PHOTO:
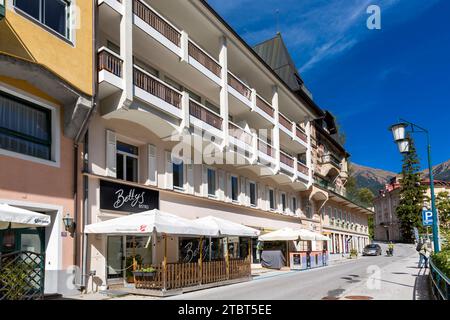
(295, 169)
(223, 60)
(126, 52)
(309, 153)
(185, 115)
(254, 150)
(253, 99)
(276, 128)
(184, 46)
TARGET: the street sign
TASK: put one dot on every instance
(427, 218)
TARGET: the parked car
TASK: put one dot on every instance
(372, 250)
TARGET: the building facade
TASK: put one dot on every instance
(194, 122)
(387, 225)
(46, 90)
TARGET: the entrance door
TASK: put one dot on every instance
(115, 257)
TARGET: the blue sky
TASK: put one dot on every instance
(367, 78)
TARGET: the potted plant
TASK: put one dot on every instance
(129, 263)
(353, 253)
(147, 273)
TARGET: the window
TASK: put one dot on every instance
(145, 66)
(271, 200)
(211, 182)
(24, 127)
(213, 107)
(113, 47)
(294, 204)
(253, 194)
(54, 14)
(234, 188)
(283, 201)
(178, 174)
(308, 208)
(127, 162)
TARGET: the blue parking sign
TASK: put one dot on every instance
(427, 218)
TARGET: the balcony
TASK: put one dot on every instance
(266, 153)
(241, 140)
(287, 163)
(157, 93)
(204, 62)
(115, 5)
(239, 90)
(301, 134)
(204, 118)
(109, 72)
(302, 171)
(264, 109)
(331, 159)
(157, 27)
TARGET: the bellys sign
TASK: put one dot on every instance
(122, 197)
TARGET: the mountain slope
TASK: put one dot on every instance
(441, 171)
(371, 178)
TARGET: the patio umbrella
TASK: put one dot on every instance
(224, 227)
(21, 218)
(145, 222)
(285, 234)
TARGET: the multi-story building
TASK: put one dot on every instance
(387, 225)
(202, 124)
(46, 93)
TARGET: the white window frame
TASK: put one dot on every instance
(55, 128)
(237, 191)
(285, 202)
(271, 190)
(126, 154)
(176, 188)
(69, 17)
(250, 182)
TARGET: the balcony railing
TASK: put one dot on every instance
(144, 12)
(331, 158)
(204, 59)
(200, 112)
(285, 122)
(239, 86)
(264, 106)
(156, 87)
(286, 159)
(266, 148)
(109, 62)
(302, 168)
(238, 133)
(300, 133)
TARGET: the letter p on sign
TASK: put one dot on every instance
(427, 218)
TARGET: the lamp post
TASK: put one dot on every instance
(398, 131)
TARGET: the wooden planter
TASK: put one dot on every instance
(144, 276)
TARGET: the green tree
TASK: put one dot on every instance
(443, 207)
(365, 197)
(411, 194)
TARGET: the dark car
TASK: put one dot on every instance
(372, 250)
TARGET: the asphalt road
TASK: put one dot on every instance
(322, 283)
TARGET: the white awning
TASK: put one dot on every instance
(288, 234)
(224, 227)
(21, 218)
(145, 222)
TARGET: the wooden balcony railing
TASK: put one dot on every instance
(301, 134)
(157, 88)
(302, 168)
(239, 86)
(264, 106)
(156, 22)
(109, 62)
(286, 159)
(332, 159)
(239, 133)
(285, 122)
(200, 112)
(204, 59)
(266, 148)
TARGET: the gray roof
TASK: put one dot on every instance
(275, 53)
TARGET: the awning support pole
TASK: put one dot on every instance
(227, 259)
(200, 261)
(165, 263)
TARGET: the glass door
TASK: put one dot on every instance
(115, 258)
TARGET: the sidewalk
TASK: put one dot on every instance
(401, 280)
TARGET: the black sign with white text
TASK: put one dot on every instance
(122, 197)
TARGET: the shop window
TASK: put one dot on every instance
(127, 162)
(252, 194)
(211, 182)
(55, 14)
(271, 199)
(178, 174)
(234, 188)
(189, 249)
(25, 128)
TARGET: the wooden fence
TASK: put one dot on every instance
(181, 275)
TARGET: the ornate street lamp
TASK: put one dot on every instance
(69, 224)
(399, 134)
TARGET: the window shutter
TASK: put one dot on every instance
(204, 186)
(111, 154)
(228, 187)
(189, 184)
(169, 170)
(152, 171)
(221, 195)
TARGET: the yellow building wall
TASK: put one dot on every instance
(22, 37)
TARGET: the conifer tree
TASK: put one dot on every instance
(412, 194)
